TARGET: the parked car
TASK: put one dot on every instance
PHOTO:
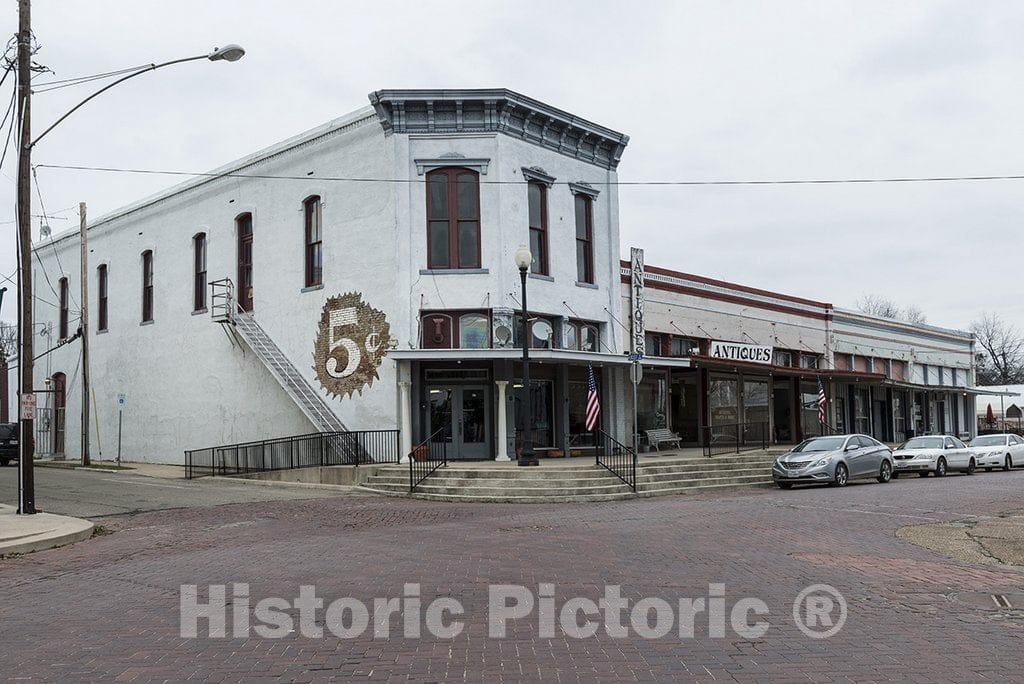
(835, 460)
(998, 451)
(933, 454)
(8, 443)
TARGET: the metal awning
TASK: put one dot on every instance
(902, 384)
(511, 354)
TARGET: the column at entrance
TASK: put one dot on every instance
(406, 408)
(502, 422)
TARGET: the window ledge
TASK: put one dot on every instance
(454, 271)
(541, 276)
(589, 286)
(103, 332)
(149, 322)
(198, 312)
(312, 288)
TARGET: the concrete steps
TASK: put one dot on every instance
(577, 482)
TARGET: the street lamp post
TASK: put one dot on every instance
(523, 260)
(26, 482)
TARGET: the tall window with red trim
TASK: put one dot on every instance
(453, 218)
(101, 291)
(314, 242)
(147, 286)
(63, 285)
(584, 239)
(199, 271)
(538, 200)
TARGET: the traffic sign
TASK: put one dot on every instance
(28, 406)
(636, 356)
(636, 373)
(121, 400)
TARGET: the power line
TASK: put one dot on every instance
(681, 183)
(56, 256)
(68, 82)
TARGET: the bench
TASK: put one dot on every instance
(655, 438)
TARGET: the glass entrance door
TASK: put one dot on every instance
(461, 414)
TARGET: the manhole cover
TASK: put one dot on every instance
(990, 600)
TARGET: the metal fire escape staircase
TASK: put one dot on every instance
(240, 326)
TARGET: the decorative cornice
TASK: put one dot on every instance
(498, 110)
(479, 165)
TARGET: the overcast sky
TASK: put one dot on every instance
(705, 90)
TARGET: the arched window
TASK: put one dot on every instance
(147, 286)
(474, 331)
(437, 331)
(313, 241)
(453, 218)
(63, 285)
(101, 293)
(199, 270)
(589, 338)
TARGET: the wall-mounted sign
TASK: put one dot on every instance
(352, 342)
(636, 299)
(735, 351)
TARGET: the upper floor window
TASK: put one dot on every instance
(314, 242)
(63, 286)
(101, 291)
(147, 285)
(685, 346)
(584, 238)
(453, 218)
(809, 360)
(652, 344)
(542, 332)
(581, 336)
(199, 271)
(782, 358)
(444, 330)
(538, 200)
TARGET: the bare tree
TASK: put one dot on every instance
(1001, 358)
(880, 305)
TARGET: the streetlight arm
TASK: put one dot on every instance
(228, 53)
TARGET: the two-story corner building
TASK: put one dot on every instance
(357, 276)
(925, 378)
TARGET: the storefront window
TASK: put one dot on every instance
(652, 401)
(686, 408)
(861, 412)
(578, 433)
(542, 403)
(809, 423)
(755, 401)
(722, 397)
(840, 415)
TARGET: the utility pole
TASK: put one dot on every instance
(84, 261)
(26, 439)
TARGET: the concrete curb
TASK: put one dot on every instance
(28, 533)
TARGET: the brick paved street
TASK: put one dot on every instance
(108, 609)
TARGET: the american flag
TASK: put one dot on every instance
(821, 402)
(593, 403)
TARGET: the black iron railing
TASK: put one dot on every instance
(300, 451)
(426, 457)
(616, 457)
(734, 438)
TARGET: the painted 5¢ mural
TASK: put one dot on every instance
(351, 344)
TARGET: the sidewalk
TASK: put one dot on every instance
(27, 533)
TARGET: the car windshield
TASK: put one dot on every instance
(8, 430)
(989, 440)
(923, 443)
(821, 444)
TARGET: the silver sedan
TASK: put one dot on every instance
(834, 460)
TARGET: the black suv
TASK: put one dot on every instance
(8, 443)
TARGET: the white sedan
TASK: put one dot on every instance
(998, 451)
(933, 454)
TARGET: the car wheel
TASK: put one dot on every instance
(971, 467)
(885, 474)
(785, 485)
(1008, 463)
(842, 476)
(940, 468)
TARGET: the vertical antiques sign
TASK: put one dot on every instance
(351, 344)
(636, 300)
